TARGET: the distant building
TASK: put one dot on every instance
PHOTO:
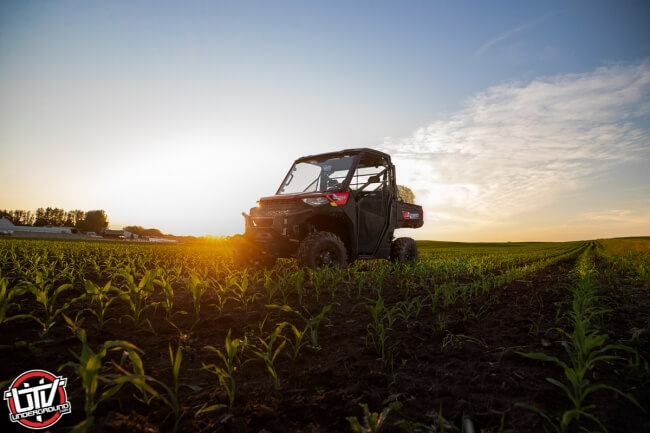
(119, 234)
(162, 240)
(130, 235)
(8, 228)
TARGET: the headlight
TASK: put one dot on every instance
(316, 201)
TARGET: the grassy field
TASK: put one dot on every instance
(522, 337)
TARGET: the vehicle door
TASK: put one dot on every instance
(371, 184)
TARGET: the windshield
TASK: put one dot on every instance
(316, 175)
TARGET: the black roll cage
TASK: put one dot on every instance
(356, 154)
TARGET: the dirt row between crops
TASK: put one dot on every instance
(470, 366)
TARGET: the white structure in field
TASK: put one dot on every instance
(119, 234)
(9, 228)
(162, 240)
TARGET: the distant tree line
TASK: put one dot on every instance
(85, 221)
(141, 231)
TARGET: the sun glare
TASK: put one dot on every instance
(207, 186)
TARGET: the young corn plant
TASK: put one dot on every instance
(101, 299)
(585, 348)
(165, 278)
(377, 330)
(298, 339)
(355, 278)
(74, 325)
(382, 322)
(268, 352)
(271, 285)
(318, 278)
(168, 303)
(136, 294)
(312, 323)
(87, 368)
(578, 387)
(43, 290)
(197, 286)
(99, 270)
(225, 374)
(239, 290)
(372, 422)
(170, 398)
(219, 291)
(408, 308)
(284, 283)
(434, 299)
(336, 275)
(6, 298)
(297, 280)
(378, 277)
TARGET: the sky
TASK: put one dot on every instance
(510, 120)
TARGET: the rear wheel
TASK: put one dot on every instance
(322, 249)
(404, 250)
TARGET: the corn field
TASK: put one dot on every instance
(511, 337)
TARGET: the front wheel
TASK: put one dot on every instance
(404, 250)
(322, 249)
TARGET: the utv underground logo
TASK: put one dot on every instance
(37, 399)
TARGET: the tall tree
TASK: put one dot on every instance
(40, 216)
(51, 216)
(48, 216)
(141, 231)
(75, 218)
(58, 217)
(22, 217)
(95, 221)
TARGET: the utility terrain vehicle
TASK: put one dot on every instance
(330, 209)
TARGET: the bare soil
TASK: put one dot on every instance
(461, 360)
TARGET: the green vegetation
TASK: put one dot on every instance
(194, 316)
(585, 347)
(89, 367)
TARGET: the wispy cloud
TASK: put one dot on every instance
(506, 35)
(627, 216)
(516, 147)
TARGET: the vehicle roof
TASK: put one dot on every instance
(356, 151)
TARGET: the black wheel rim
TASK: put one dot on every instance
(410, 255)
(327, 256)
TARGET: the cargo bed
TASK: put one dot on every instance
(409, 215)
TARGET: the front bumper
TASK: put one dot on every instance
(277, 235)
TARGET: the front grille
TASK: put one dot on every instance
(272, 212)
(263, 222)
(271, 208)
